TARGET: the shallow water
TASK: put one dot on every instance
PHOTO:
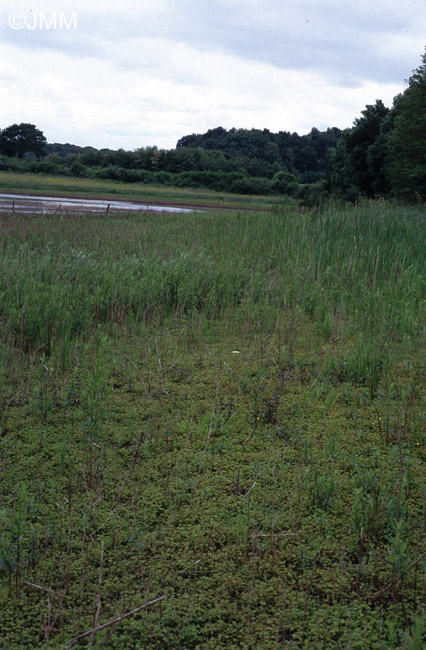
(43, 204)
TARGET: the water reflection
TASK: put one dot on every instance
(43, 204)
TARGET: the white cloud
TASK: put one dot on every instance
(133, 75)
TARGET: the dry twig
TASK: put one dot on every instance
(118, 619)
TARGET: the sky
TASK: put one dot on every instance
(140, 73)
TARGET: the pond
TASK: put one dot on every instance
(43, 204)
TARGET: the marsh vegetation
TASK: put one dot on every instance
(226, 410)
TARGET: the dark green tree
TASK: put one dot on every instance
(19, 139)
(358, 164)
(407, 140)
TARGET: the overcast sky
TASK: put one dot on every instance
(142, 72)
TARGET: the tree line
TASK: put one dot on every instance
(382, 154)
(248, 161)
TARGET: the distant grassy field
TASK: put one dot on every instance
(226, 410)
(58, 186)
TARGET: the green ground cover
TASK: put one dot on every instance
(226, 409)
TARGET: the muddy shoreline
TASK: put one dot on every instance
(146, 203)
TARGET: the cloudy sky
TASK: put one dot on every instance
(142, 72)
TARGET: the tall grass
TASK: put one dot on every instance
(362, 269)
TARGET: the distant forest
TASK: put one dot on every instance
(382, 154)
(246, 161)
